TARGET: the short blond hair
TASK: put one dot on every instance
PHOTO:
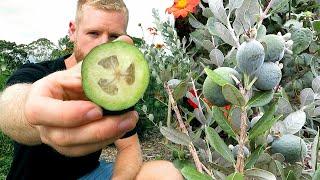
(106, 5)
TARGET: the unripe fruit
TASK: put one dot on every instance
(274, 47)
(213, 92)
(250, 56)
(269, 76)
(291, 147)
(235, 151)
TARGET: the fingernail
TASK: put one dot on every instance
(93, 114)
(125, 125)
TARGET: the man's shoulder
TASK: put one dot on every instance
(49, 66)
(31, 72)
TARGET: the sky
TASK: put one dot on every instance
(24, 21)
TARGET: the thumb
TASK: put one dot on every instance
(125, 38)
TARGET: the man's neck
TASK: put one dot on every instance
(70, 61)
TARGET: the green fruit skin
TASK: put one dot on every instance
(274, 47)
(213, 92)
(236, 149)
(291, 147)
(250, 56)
(269, 76)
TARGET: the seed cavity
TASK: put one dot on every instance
(108, 86)
(109, 62)
(112, 63)
(130, 77)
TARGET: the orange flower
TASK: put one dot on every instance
(181, 8)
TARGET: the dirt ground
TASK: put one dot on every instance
(152, 145)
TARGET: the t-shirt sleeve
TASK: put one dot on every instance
(28, 73)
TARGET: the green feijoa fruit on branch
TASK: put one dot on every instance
(250, 56)
(213, 92)
(274, 47)
(115, 75)
(269, 76)
(292, 147)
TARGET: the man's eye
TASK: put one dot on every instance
(93, 33)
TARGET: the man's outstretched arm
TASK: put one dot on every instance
(12, 118)
(54, 111)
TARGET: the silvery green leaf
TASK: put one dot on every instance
(199, 116)
(260, 99)
(206, 61)
(294, 122)
(217, 57)
(173, 83)
(233, 95)
(208, 45)
(231, 56)
(265, 122)
(194, 22)
(301, 39)
(316, 112)
(278, 5)
(306, 97)
(219, 175)
(259, 174)
(218, 144)
(264, 158)
(316, 85)
(235, 176)
(262, 31)
(314, 152)
(316, 175)
(246, 15)
(151, 117)
(224, 33)
(253, 158)
(218, 10)
(284, 106)
(278, 127)
(190, 173)
(206, 12)
(278, 157)
(210, 25)
(144, 108)
(292, 23)
(175, 136)
(234, 4)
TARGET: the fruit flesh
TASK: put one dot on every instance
(115, 75)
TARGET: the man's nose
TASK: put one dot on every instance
(104, 39)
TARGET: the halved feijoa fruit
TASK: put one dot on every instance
(115, 75)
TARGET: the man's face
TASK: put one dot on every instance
(94, 28)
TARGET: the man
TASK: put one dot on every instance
(58, 133)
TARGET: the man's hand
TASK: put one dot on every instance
(57, 107)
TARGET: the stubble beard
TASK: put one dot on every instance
(79, 55)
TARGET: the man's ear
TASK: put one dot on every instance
(72, 30)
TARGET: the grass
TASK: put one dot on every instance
(6, 154)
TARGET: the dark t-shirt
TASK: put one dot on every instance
(42, 161)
